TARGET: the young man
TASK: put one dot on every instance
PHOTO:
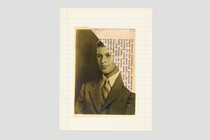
(107, 94)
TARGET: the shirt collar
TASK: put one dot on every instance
(112, 79)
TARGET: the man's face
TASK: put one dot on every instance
(105, 63)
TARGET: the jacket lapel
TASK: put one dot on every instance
(115, 91)
(96, 95)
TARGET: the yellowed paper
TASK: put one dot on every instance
(139, 20)
(121, 45)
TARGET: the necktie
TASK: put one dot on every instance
(106, 88)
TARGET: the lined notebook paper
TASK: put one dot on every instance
(138, 19)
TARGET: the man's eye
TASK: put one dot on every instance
(98, 55)
(108, 55)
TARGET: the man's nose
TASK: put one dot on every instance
(103, 60)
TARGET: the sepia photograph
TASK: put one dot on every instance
(99, 85)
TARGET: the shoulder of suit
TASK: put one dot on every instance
(90, 83)
(128, 91)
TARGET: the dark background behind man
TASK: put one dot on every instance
(86, 65)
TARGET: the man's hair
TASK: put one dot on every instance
(99, 44)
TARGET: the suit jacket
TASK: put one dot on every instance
(120, 101)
